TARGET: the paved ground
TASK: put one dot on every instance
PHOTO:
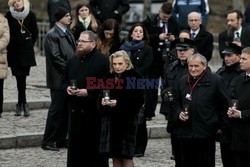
(157, 155)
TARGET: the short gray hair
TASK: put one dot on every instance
(122, 54)
(197, 56)
(246, 50)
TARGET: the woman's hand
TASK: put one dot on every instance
(183, 116)
(70, 91)
(111, 103)
(233, 113)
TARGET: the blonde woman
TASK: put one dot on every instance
(4, 40)
(83, 20)
(21, 56)
(120, 114)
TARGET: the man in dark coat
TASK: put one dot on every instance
(52, 5)
(84, 119)
(235, 32)
(202, 38)
(200, 103)
(230, 73)
(241, 113)
(109, 9)
(59, 47)
(162, 29)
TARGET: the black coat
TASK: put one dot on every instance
(204, 43)
(241, 127)
(244, 38)
(230, 77)
(119, 124)
(207, 109)
(105, 9)
(142, 60)
(21, 46)
(152, 24)
(171, 79)
(58, 50)
(84, 119)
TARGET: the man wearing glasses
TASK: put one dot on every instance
(84, 119)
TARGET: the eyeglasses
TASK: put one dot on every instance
(82, 41)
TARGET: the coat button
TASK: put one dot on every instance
(73, 110)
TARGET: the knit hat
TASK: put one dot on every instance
(60, 13)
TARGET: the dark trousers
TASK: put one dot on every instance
(1, 96)
(195, 153)
(21, 87)
(141, 138)
(151, 100)
(57, 120)
(226, 154)
(241, 158)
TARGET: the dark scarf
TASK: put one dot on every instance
(133, 46)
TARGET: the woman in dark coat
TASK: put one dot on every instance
(83, 20)
(119, 115)
(141, 55)
(21, 56)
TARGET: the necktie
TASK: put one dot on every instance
(70, 38)
(193, 35)
(237, 35)
(164, 27)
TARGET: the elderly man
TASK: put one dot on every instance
(230, 73)
(84, 119)
(202, 38)
(201, 101)
(240, 114)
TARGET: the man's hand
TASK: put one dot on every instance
(81, 92)
(233, 113)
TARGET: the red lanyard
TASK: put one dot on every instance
(196, 82)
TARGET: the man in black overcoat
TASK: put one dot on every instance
(240, 114)
(230, 73)
(84, 119)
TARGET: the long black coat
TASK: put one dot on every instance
(241, 127)
(119, 124)
(21, 46)
(84, 120)
(244, 38)
(57, 51)
(207, 109)
(204, 43)
(152, 24)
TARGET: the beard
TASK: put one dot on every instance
(230, 32)
(81, 53)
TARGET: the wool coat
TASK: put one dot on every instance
(21, 47)
(207, 109)
(241, 127)
(4, 41)
(84, 119)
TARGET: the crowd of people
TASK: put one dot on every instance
(104, 88)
